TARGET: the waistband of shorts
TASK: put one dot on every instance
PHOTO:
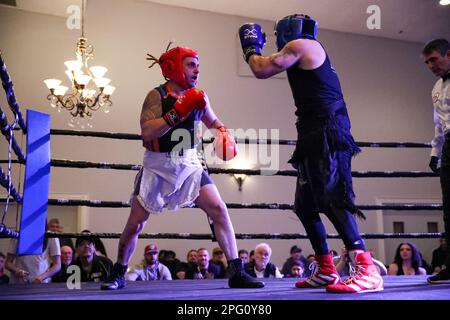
(180, 153)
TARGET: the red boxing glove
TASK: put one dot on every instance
(190, 100)
(224, 145)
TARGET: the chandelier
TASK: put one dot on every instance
(89, 91)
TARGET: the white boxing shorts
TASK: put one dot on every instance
(168, 180)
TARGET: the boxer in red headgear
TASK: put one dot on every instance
(171, 63)
(172, 176)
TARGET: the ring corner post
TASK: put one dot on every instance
(36, 184)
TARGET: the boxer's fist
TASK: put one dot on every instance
(224, 145)
(182, 108)
(252, 39)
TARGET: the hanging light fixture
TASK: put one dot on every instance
(89, 91)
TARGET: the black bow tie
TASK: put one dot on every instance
(446, 76)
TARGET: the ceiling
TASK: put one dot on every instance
(409, 20)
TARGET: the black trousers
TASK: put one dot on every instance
(445, 186)
(324, 185)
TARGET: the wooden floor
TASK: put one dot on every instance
(396, 288)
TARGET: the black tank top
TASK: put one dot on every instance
(313, 89)
(175, 136)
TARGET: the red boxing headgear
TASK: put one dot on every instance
(171, 63)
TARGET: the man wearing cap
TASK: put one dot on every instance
(296, 254)
(150, 268)
(93, 267)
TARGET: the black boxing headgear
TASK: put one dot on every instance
(294, 27)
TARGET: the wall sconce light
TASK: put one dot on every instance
(239, 179)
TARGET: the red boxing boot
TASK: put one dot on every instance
(324, 275)
(365, 277)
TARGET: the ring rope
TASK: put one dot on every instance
(131, 136)
(62, 163)
(10, 186)
(6, 232)
(274, 206)
(7, 131)
(11, 97)
(6, 182)
(244, 236)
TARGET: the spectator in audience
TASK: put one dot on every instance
(203, 269)
(170, 260)
(243, 254)
(34, 268)
(54, 225)
(310, 265)
(407, 261)
(93, 267)
(191, 258)
(66, 261)
(296, 254)
(251, 256)
(261, 267)
(218, 257)
(439, 255)
(150, 268)
(425, 264)
(100, 249)
(297, 269)
(4, 279)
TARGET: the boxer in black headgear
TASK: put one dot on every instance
(324, 147)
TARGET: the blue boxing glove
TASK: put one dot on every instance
(252, 39)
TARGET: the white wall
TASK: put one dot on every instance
(386, 85)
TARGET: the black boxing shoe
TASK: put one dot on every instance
(239, 278)
(117, 279)
(442, 277)
(244, 281)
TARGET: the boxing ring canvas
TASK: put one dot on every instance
(395, 288)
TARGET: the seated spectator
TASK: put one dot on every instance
(100, 249)
(439, 255)
(261, 267)
(54, 225)
(93, 267)
(191, 258)
(34, 268)
(251, 256)
(344, 263)
(203, 269)
(425, 264)
(310, 265)
(4, 279)
(170, 260)
(218, 257)
(243, 254)
(66, 261)
(297, 269)
(296, 254)
(407, 261)
(150, 268)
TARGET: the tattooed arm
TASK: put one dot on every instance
(308, 54)
(152, 124)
